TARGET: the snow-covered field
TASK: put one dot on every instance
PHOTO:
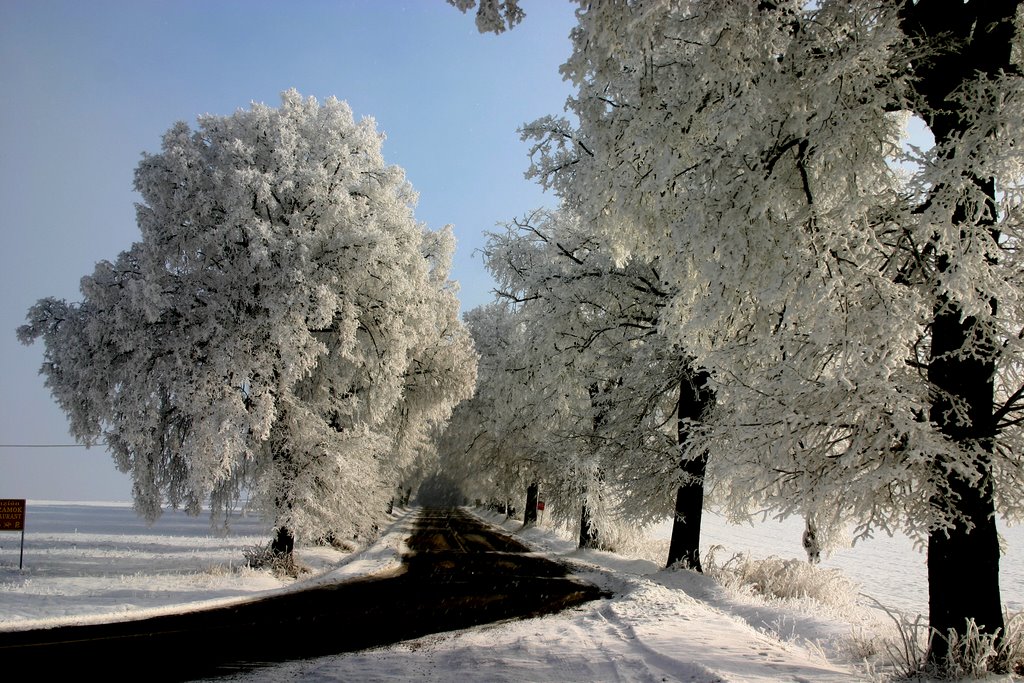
(94, 562)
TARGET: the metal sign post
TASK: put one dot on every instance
(12, 518)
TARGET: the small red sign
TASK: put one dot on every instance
(12, 514)
(540, 504)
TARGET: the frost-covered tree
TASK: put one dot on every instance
(618, 396)
(488, 447)
(858, 308)
(533, 262)
(284, 328)
(492, 16)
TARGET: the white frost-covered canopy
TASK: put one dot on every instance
(753, 148)
(284, 326)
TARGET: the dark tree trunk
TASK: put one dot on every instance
(685, 545)
(530, 513)
(589, 534)
(283, 543)
(589, 537)
(684, 548)
(963, 570)
(963, 562)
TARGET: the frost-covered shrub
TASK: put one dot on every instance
(627, 539)
(778, 579)
(1011, 653)
(974, 654)
(279, 564)
(332, 540)
(614, 536)
(971, 654)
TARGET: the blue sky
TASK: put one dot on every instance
(89, 86)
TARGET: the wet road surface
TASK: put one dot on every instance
(460, 572)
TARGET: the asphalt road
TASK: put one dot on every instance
(460, 572)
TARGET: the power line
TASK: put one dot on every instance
(49, 445)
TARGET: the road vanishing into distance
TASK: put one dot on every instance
(460, 572)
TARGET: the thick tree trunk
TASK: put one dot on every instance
(530, 513)
(963, 562)
(589, 537)
(684, 548)
(283, 543)
(963, 571)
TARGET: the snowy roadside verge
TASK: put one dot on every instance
(674, 612)
(106, 576)
(383, 556)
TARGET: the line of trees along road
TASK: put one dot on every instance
(853, 303)
(589, 389)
